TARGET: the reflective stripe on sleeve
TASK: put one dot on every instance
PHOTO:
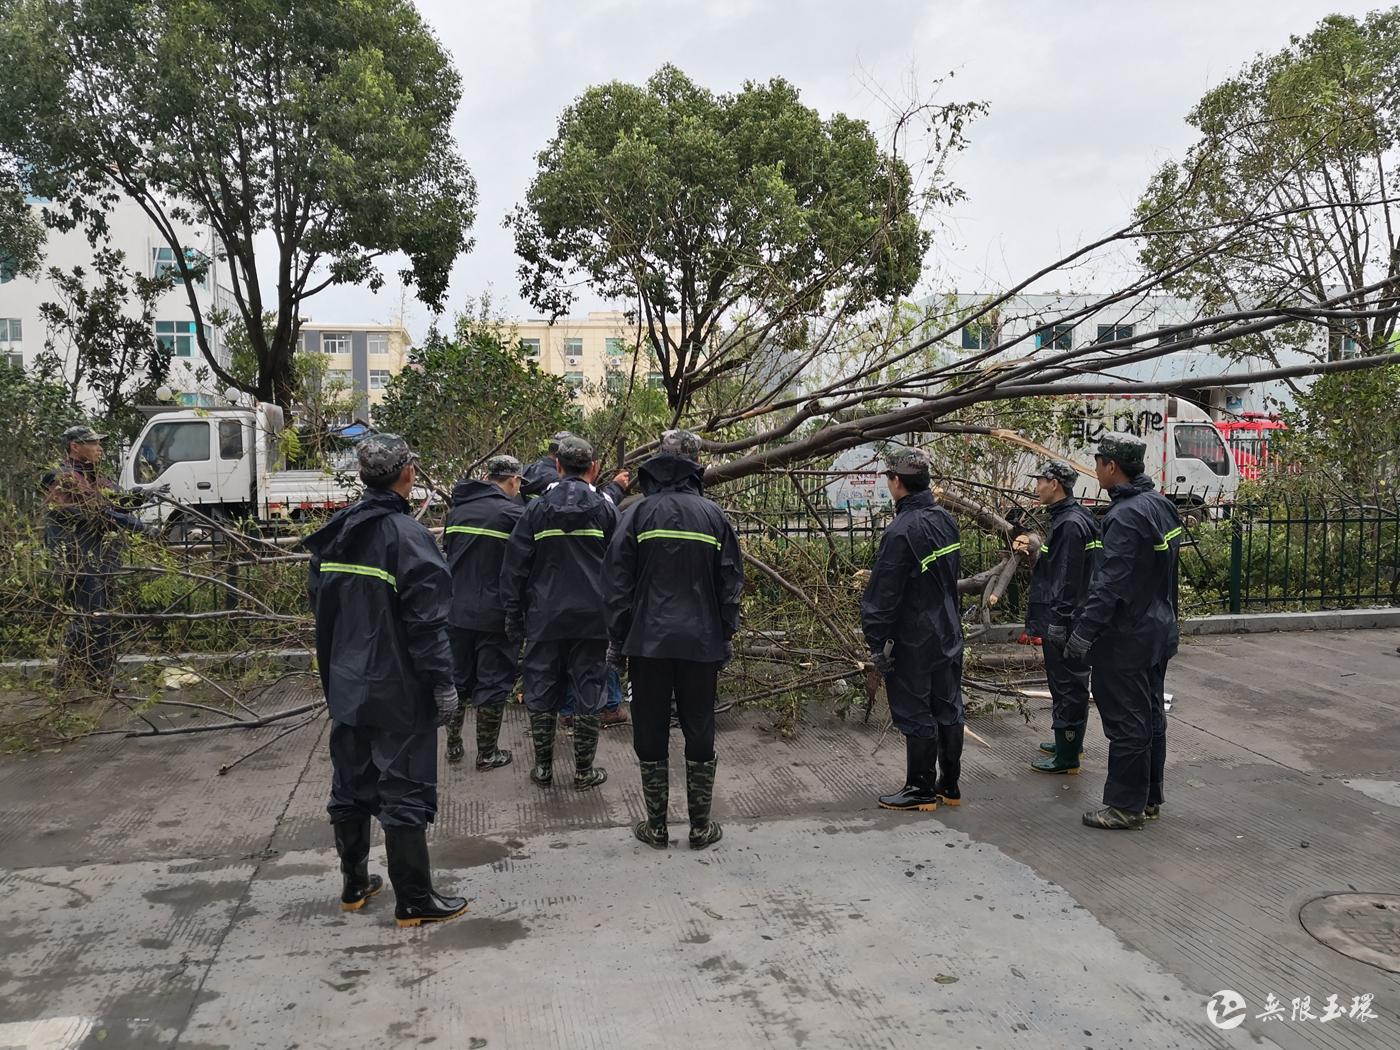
(1166, 540)
(931, 558)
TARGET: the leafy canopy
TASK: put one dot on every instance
(704, 209)
(318, 126)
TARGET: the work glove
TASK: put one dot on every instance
(515, 631)
(616, 659)
(1028, 639)
(883, 661)
(1077, 648)
(445, 697)
(1057, 634)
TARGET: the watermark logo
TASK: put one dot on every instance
(1226, 1009)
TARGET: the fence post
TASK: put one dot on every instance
(1236, 561)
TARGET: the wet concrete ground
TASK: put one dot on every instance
(153, 903)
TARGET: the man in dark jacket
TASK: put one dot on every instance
(912, 624)
(673, 577)
(1128, 631)
(381, 592)
(478, 529)
(550, 590)
(1059, 584)
(84, 530)
(544, 472)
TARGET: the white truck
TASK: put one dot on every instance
(1186, 454)
(229, 464)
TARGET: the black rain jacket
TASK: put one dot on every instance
(1060, 579)
(674, 573)
(475, 540)
(912, 595)
(1130, 613)
(541, 474)
(380, 592)
(554, 561)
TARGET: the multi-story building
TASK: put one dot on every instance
(593, 353)
(360, 358)
(24, 334)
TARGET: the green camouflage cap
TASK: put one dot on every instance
(382, 456)
(1122, 448)
(81, 432)
(907, 461)
(503, 467)
(574, 452)
(556, 439)
(681, 443)
(1057, 470)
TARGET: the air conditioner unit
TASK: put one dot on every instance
(574, 360)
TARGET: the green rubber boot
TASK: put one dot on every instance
(488, 734)
(586, 774)
(455, 748)
(656, 792)
(1048, 746)
(699, 796)
(542, 729)
(1065, 757)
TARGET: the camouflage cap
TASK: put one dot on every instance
(681, 443)
(555, 440)
(503, 467)
(81, 432)
(907, 461)
(574, 452)
(1122, 448)
(382, 456)
(1057, 470)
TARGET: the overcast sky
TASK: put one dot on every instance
(1086, 99)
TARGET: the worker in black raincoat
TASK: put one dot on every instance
(544, 472)
(912, 624)
(1128, 631)
(478, 530)
(550, 590)
(1059, 584)
(673, 578)
(381, 592)
(87, 521)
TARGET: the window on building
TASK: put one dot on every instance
(979, 336)
(615, 347)
(573, 380)
(530, 347)
(1166, 338)
(378, 344)
(335, 342)
(573, 346)
(230, 439)
(11, 330)
(379, 378)
(166, 444)
(1341, 346)
(656, 380)
(338, 376)
(177, 337)
(1112, 332)
(1055, 337)
(164, 263)
(615, 381)
(14, 360)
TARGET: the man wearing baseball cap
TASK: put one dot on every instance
(478, 530)
(551, 593)
(381, 594)
(909, 613)
(1128, 631)
(83, 530)
(1059, 583)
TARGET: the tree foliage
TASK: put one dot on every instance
(723, 217)
(318, 126)
(1299, 153)
(1344, 433)
(467, 396)
(36, 409)
(21, 233)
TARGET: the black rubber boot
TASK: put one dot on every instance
(488, 734)
(586, 774)
(1112, 819)
(352, 845)
(699, 797)
(416, 902)
(950, 749)
(656, 793)
(455, 748)
(1065, 758)
(542, 728)
(919, 791)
